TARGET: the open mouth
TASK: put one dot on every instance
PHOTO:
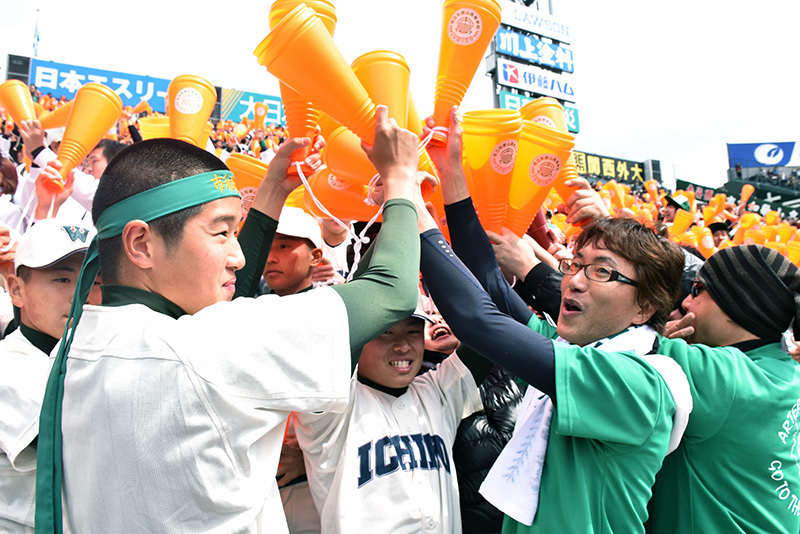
(440, 331)
(401, 364)
(571, 306)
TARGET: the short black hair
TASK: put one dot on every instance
(110, 148)
(140, 167)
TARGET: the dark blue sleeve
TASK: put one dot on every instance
(472, 245)
(477, 322)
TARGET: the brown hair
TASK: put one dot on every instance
(10, 177)
(658, 262)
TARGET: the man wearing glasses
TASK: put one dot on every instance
(597, 422)
(738, 466)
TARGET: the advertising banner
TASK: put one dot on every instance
(60, 79)
(608, 168)
(750, 155)
(531, 20)
(535, 50)
(509, 100)
(535, 79)
(239, 104)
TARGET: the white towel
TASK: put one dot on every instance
(514, 480)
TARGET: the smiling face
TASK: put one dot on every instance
(439, 337)
(591, 310)
(290, 264)
(200, 269)
(95, 163)
(45, 298)
(394, 358)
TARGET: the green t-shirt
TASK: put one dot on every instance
(738, 466)
(608, 437)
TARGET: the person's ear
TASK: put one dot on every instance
(16, 289)
(138, 242)
(316, 256)
(644, 313)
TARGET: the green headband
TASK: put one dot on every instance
(145, 206)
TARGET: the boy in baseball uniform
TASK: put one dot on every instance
(46, 266)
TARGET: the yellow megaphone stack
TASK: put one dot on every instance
(491, 140)
(301, 115)
(541, 154)
(468, 27)
(328, 82)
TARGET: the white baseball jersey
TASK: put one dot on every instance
(385, 464)
(23, 379)
(176, 425)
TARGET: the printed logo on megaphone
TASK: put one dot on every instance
(503, 156)
(545, 120)
(544, 169)
(248, 195)
(188, 101)
(465, 26)
(337, 183)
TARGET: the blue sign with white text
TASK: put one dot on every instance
(764, 154)
(534, 50)
(60, 79)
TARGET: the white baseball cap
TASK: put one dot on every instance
(295, 222)
(51, 240)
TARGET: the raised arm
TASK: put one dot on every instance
(386, 291)
(469, 240)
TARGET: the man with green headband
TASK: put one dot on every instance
(174, 400)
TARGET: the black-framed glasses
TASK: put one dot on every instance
(595, 271)
(697, 288)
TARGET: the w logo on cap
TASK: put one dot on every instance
(76, 232)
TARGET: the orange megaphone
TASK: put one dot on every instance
(683, 219)
(747, 191)
(705, 241)
(413, 120)
(568, 172)
(191, 100)
(154, 127)
(95, 109)
(385, 76)
(328, 82)
(247, 174)
(344, 200)
(324, 9)
(652, 190)
(326, 125)
(491, 139)
(260, 111)
(15, 97)
(468, 27)
(38, 109)
(56, 118)
(541, 154)
(345, 158)
(547, 111)
(141, 107)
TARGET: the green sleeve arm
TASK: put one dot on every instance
(255, 238)
(387, 290)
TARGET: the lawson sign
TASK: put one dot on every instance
(531, 20)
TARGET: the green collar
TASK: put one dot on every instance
(40, 340)
(114, 295)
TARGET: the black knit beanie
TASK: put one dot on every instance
(756, 286)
